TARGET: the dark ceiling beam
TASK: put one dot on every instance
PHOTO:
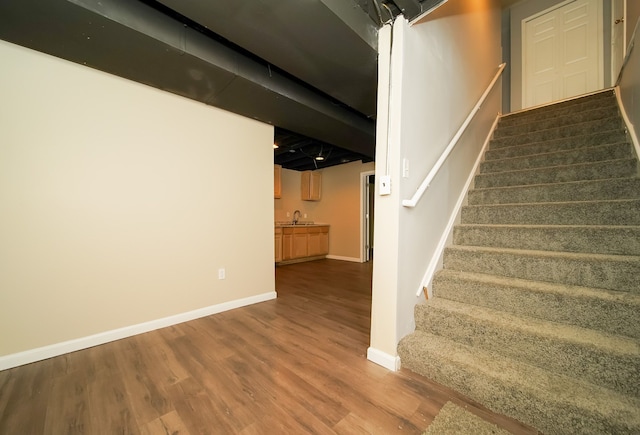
(133, 40)
(409, 8)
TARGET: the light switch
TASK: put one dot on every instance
(405, 168)
(385, 185)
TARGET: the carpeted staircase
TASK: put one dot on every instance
(536, 312)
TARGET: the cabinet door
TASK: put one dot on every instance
(277, 181)
(278, 247)
(300, 244)
(287, 245)
(315, 189)
(324, 242)
(314, 244)
(311, 185)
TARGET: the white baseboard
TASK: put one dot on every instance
(383, 359)
(338, 257)
(38, 354)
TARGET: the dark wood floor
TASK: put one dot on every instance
(294, 365)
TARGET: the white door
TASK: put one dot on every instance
(562, 52)
(618, 37)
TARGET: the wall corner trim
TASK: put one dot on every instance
(389, 362)
(41, 353)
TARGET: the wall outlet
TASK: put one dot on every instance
(305, 215)
(221, 273)
(288, 214)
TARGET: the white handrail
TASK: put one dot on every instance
(434, 171)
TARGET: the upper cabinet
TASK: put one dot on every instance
(311, 185)
(277, 181)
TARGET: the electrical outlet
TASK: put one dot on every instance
(221, 273)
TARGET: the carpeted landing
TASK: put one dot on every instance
(454, 420)
(535, 314)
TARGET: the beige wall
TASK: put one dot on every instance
(439, 69)
(119, 202)
(339, 207)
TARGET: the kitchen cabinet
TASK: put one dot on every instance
(278, 244)
(311, 185)
(277, 181)
(304, 243)
(318, 241)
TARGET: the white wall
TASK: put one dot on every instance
(440, 68)
(119, 202)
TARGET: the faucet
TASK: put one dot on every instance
(296, 216)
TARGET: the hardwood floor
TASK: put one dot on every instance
(294, 365)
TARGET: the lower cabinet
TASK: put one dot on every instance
(318, 241)
(278, 245)
(304, 243)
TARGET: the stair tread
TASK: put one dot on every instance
(551, 254)
(533, 226)
(509, 380)
(607, 186)
(606, 120)
(530, 325)
(605, 96)
(533, 145)
(561, 167)
(584, 202)
(546, 287)
(536, 123)
(559, 153)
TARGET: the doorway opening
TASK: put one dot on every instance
(367, 195)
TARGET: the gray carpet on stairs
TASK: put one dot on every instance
(535, 314)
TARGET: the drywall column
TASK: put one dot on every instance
(384, 340)
(440, 67)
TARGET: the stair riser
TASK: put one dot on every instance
(564, 144)
(582, 191)
(558, 110)
(626, 212)
(559, 174)
(585, 155)
(558, 133)
(612, 274)
(534, 406)
(600, 240)
(609, 315)
(617, 372)
(555, 121)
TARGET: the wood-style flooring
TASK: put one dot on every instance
(294, 365)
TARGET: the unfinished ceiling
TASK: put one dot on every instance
(307, 67)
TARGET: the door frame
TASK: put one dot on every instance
(623, 48)
(365, 217)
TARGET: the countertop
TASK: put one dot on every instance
(289, 224)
